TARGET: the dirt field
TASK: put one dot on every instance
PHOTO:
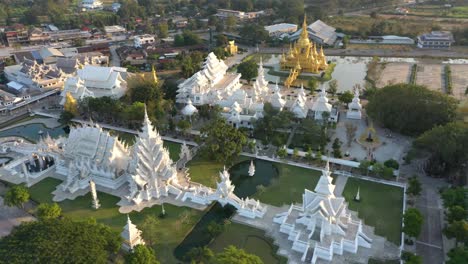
(431, 76)
(394, 73)
(459, 80)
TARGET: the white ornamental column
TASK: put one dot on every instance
(92, 186)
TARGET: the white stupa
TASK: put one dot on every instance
(355, 107)
(189, 109)
(251, 168)
(321, 105)
(131, 236)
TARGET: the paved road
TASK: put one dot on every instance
(115, 59)
(429, 244)
(11, 217)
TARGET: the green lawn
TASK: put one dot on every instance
(250, 239)
(289, 186)
(174, 227)
(380, 206)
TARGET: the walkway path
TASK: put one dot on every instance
(340, 183)
(11, 217)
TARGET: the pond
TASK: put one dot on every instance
(31, 131)
(265, 173)
(349, 70)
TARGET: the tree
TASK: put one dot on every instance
(296, 153)
(414, 186)
(410, 258)
(333, 87)
(254, 33)
(455, 196)
(346, 97)
(141, 254)
(46, 211)
(222, 141)
(16, 196)
(150, 229)
(456, 213)
(336, 148)
(364, 166)
(411, 109)
(413, 221)
(66, 117)
(378, 168)
(200, 255)
(59, 241)
(391, 163)
(309, 155)
(387, 173)
(248, 69)
(458, 255)
(350, 133)
(231, 23)
(184, 126)
(448, 146)
(282, 152)
(233, 255)
(458, 230)
(163, 30)
(313, 85)
(265, 128)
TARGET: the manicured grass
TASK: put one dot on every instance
(206, 171)
(380, 206)
(173, 228)
(289, 186)
(250, 239)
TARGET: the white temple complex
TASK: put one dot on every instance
(242, 105)
(131, 236)
(321, 226)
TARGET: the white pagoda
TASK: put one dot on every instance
(189, 109)
(209, 84)
(260, 87)
(354, 108)
(321, 105)
(152, 172)
(321, 226)
(131, 236)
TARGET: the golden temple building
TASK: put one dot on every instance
(303, 55)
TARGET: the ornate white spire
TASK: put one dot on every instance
(325, 185)
(153, 168)
(131, 235)
(225, 187)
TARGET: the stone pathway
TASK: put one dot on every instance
(11, 217)
(340, 183)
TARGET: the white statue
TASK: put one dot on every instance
(358, 196)
(251, 168)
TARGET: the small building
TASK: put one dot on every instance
(388, 39)
(91, 4)
(141, 40)
(114, 30)
(436, 40)
(240, 15)
(277, 30)
(319, 32)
